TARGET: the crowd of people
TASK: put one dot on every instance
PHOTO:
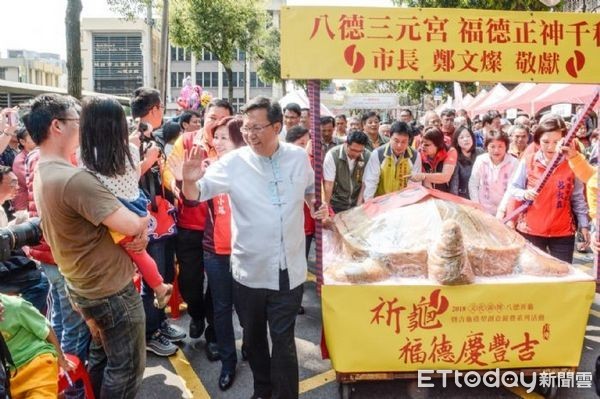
(488, 160)
(225, 203)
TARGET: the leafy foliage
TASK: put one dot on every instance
(415, 89)
(269, 60)
(512, 5)
(130, 9)
(218, 26)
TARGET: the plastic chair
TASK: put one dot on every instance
(67, 379)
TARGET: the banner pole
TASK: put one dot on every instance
(314, 99)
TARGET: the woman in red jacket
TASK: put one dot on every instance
(217, 250)
(438, 161)
(559, 208)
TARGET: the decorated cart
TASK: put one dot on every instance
(394, 302)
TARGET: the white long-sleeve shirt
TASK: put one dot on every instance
(495, 183)
(267, 212)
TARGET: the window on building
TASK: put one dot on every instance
(188, 55)
(253, 79)
(242, 79)
(215, 79)
(3, 73)
(208, 56)
(199, 78)
(180, 77)
(241, 55)
(237, 104)
(173, 79)
(225, 81)
(173, 53)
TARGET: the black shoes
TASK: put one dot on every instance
(196, 328)
(301, 310)
(244, 352)
(226, 380)
(212, 351)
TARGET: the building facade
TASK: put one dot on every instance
(205, 70)
(118, 56)
(24, 66)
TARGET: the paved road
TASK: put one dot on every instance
(190, 375)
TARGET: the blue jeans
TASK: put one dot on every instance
(218, 271)
(163, 253)
(117, 363)
(68, 325)
(36, 292)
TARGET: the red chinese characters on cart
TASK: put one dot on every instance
(477, 348)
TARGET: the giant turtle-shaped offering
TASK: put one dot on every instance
(426, 233)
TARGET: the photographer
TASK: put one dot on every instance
(9, 123)
(146, 105)
(18, 273)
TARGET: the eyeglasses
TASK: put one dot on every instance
(254, 129)
(68, 119)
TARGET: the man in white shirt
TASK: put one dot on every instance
(267, 182)
(291, 118)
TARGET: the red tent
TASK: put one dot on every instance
(478, 99)
(523, 101)
(496, 94)
(571, 93)
(514, 94)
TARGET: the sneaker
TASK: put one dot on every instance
(160, 345)
(171, 333)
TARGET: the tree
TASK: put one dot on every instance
(415, 89)
(374, 86)
(218, 26)
(73, 33)
(512, 5)
(581, 6)
(132, 9)
(251, 41)
(269, 60)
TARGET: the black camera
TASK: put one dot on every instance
(19, 235)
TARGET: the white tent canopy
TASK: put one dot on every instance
(299, 97)
(497, 93)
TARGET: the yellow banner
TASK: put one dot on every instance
(473, 327)
(439, 44)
